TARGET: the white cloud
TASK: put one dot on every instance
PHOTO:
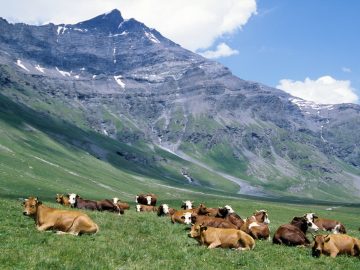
(222, 50)
(346, 69)
(192, 24)
(324, 90)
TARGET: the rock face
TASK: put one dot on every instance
(132, 84)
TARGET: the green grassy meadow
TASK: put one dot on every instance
(146, 241)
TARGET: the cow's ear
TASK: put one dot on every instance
(315, 216)
(203, 228)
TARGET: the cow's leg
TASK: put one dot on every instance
(334, 253)
(214, 244)
(43, 227)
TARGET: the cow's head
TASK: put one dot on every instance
(262, 216)
(187, 205)
(136, 198)
(186, 218)
(229, 208)
(138, 208)
(310, 216)
(165, 209)
(305, 225)
(59, 198)
(115, 200)
(30, 206)
(319, 242)
(72, 198)
(202, 210)
(148, 199)
(196, 230)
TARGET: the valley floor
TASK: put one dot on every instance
(145, 241)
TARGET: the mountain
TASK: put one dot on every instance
(142, 103)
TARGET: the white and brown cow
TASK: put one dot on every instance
(257, 225)
(225, 238)
(59, 220)
(165, 210)
(145, 208)
(187, 205)
(335, 244)
(120, 204)
(329, 225)
(294, 234)
(146, 199)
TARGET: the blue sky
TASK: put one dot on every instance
(298, 39)
(309, 48)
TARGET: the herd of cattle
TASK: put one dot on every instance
(213, 227)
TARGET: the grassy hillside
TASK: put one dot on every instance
(145, 241)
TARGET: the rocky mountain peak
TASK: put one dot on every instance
(106, 22)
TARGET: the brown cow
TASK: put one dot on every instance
(62, 221)
(294, 234)
(63, 200)
(146, 199)
(228, 214)
(215, 222)
(120, 204)
(257, 225)
(108, 205)
(331, 225)
(225, 238)
(165, 210)
(145, 208)
(332, 245)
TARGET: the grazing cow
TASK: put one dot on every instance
(145, 208)
(63, 200)
(146, 199)
(165, 210)
(294, 234)
(78, 202)
(257, 225)
(331, 225)
(62, 221)
(225, 238)
(215, 222)
(334, 244)
(187, 205)
(122, 205)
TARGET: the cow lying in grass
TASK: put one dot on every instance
(145, 208)
(103, 205)
(165, 210)
(329, 225)
(257, 225)
(184, 216)
(62, 221)
(120, 204)
(332, 245)
(146, 199)
(225, 238)
(294, 234)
